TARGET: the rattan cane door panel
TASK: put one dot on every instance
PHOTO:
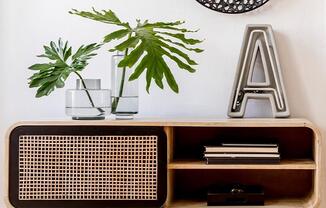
(78, 166)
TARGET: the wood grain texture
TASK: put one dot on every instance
(285, 165)
(173, 126)
(170, 141)
(269, 204)
(295, 122)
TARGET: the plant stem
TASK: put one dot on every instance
(116, 100)
(88, 95)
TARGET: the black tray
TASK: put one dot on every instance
(236, 195)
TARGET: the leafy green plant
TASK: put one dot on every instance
(146, 46)
(61, 62)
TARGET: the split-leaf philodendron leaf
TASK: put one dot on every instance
(62, 63)
(147, 45)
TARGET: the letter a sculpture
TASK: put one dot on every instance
(258, 39)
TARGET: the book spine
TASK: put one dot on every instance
(248, 145)
(242, 161)
(241, 150)
(241, 155)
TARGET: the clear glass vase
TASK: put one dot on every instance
(88, 101)
(124, 92)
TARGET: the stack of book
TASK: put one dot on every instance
(237, 153)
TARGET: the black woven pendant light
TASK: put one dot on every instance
(232, 6)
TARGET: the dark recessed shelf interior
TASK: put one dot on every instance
(277, 184)
(294, 142)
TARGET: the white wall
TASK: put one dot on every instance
(300, 32)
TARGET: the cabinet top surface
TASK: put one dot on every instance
(293, 122)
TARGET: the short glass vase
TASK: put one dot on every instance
(124, 92)
(88, 101)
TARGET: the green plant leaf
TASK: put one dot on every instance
(108, 17)
(53, 74)
(129, 43)
(83, 54)
(182, 37)
(156, 66)
(159, 74)
(67, 54)
(116, 35)
(163, 24)
(40, 67)
(169, 26)
(147, 46)
(133, 57)
(169, 77)
(197, 50)
(177, 51)
(149, 74)
(139, 69)
(181, 64)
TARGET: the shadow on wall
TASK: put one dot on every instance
(293, 80)
(301, 86)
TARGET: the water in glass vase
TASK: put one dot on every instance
(87, 113)
(124, 92)
(88, 101)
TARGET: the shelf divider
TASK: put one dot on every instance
(302, 164)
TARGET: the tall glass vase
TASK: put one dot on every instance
(124, 92)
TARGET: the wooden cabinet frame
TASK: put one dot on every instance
(308, 167)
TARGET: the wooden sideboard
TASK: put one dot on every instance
(292, 183)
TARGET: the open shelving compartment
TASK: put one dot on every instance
(292, 183)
